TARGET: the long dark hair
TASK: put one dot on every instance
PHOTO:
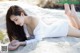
(15, 31)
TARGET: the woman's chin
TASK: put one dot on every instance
(21, 24)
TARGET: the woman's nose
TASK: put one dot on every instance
(16, 23)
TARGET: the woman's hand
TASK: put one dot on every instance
(14, 42)
(14, 45)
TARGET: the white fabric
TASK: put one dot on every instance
(26, 32)
(42, 30)
(31, 41)
(28, 35)
(57, 29)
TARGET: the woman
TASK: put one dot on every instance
(16, 18)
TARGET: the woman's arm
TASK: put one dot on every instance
(31, 41)
(10, 47)
(26, 42)
(23, 43)
(15, 43)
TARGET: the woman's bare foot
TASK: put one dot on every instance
(67, 10)
(70, 13)
(73, 11)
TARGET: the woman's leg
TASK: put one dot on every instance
(76, 18)
(71, 18)
(73, 32)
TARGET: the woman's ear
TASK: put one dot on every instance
(22, 14)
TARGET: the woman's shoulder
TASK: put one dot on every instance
(34, 18)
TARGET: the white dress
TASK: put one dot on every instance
(56, 29)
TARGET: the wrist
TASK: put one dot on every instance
(23, 43)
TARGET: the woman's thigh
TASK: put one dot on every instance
(74, 32)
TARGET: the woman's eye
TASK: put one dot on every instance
(15, 19)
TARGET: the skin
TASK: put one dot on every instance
(73, 20)
(31, 22)
(72, 15)
(14, 45)
(21, 20)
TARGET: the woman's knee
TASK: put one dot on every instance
(74, 32)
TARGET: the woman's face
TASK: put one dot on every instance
(18, 20)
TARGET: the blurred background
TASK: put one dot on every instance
(58, 4)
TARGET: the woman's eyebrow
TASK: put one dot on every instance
(13, 19)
